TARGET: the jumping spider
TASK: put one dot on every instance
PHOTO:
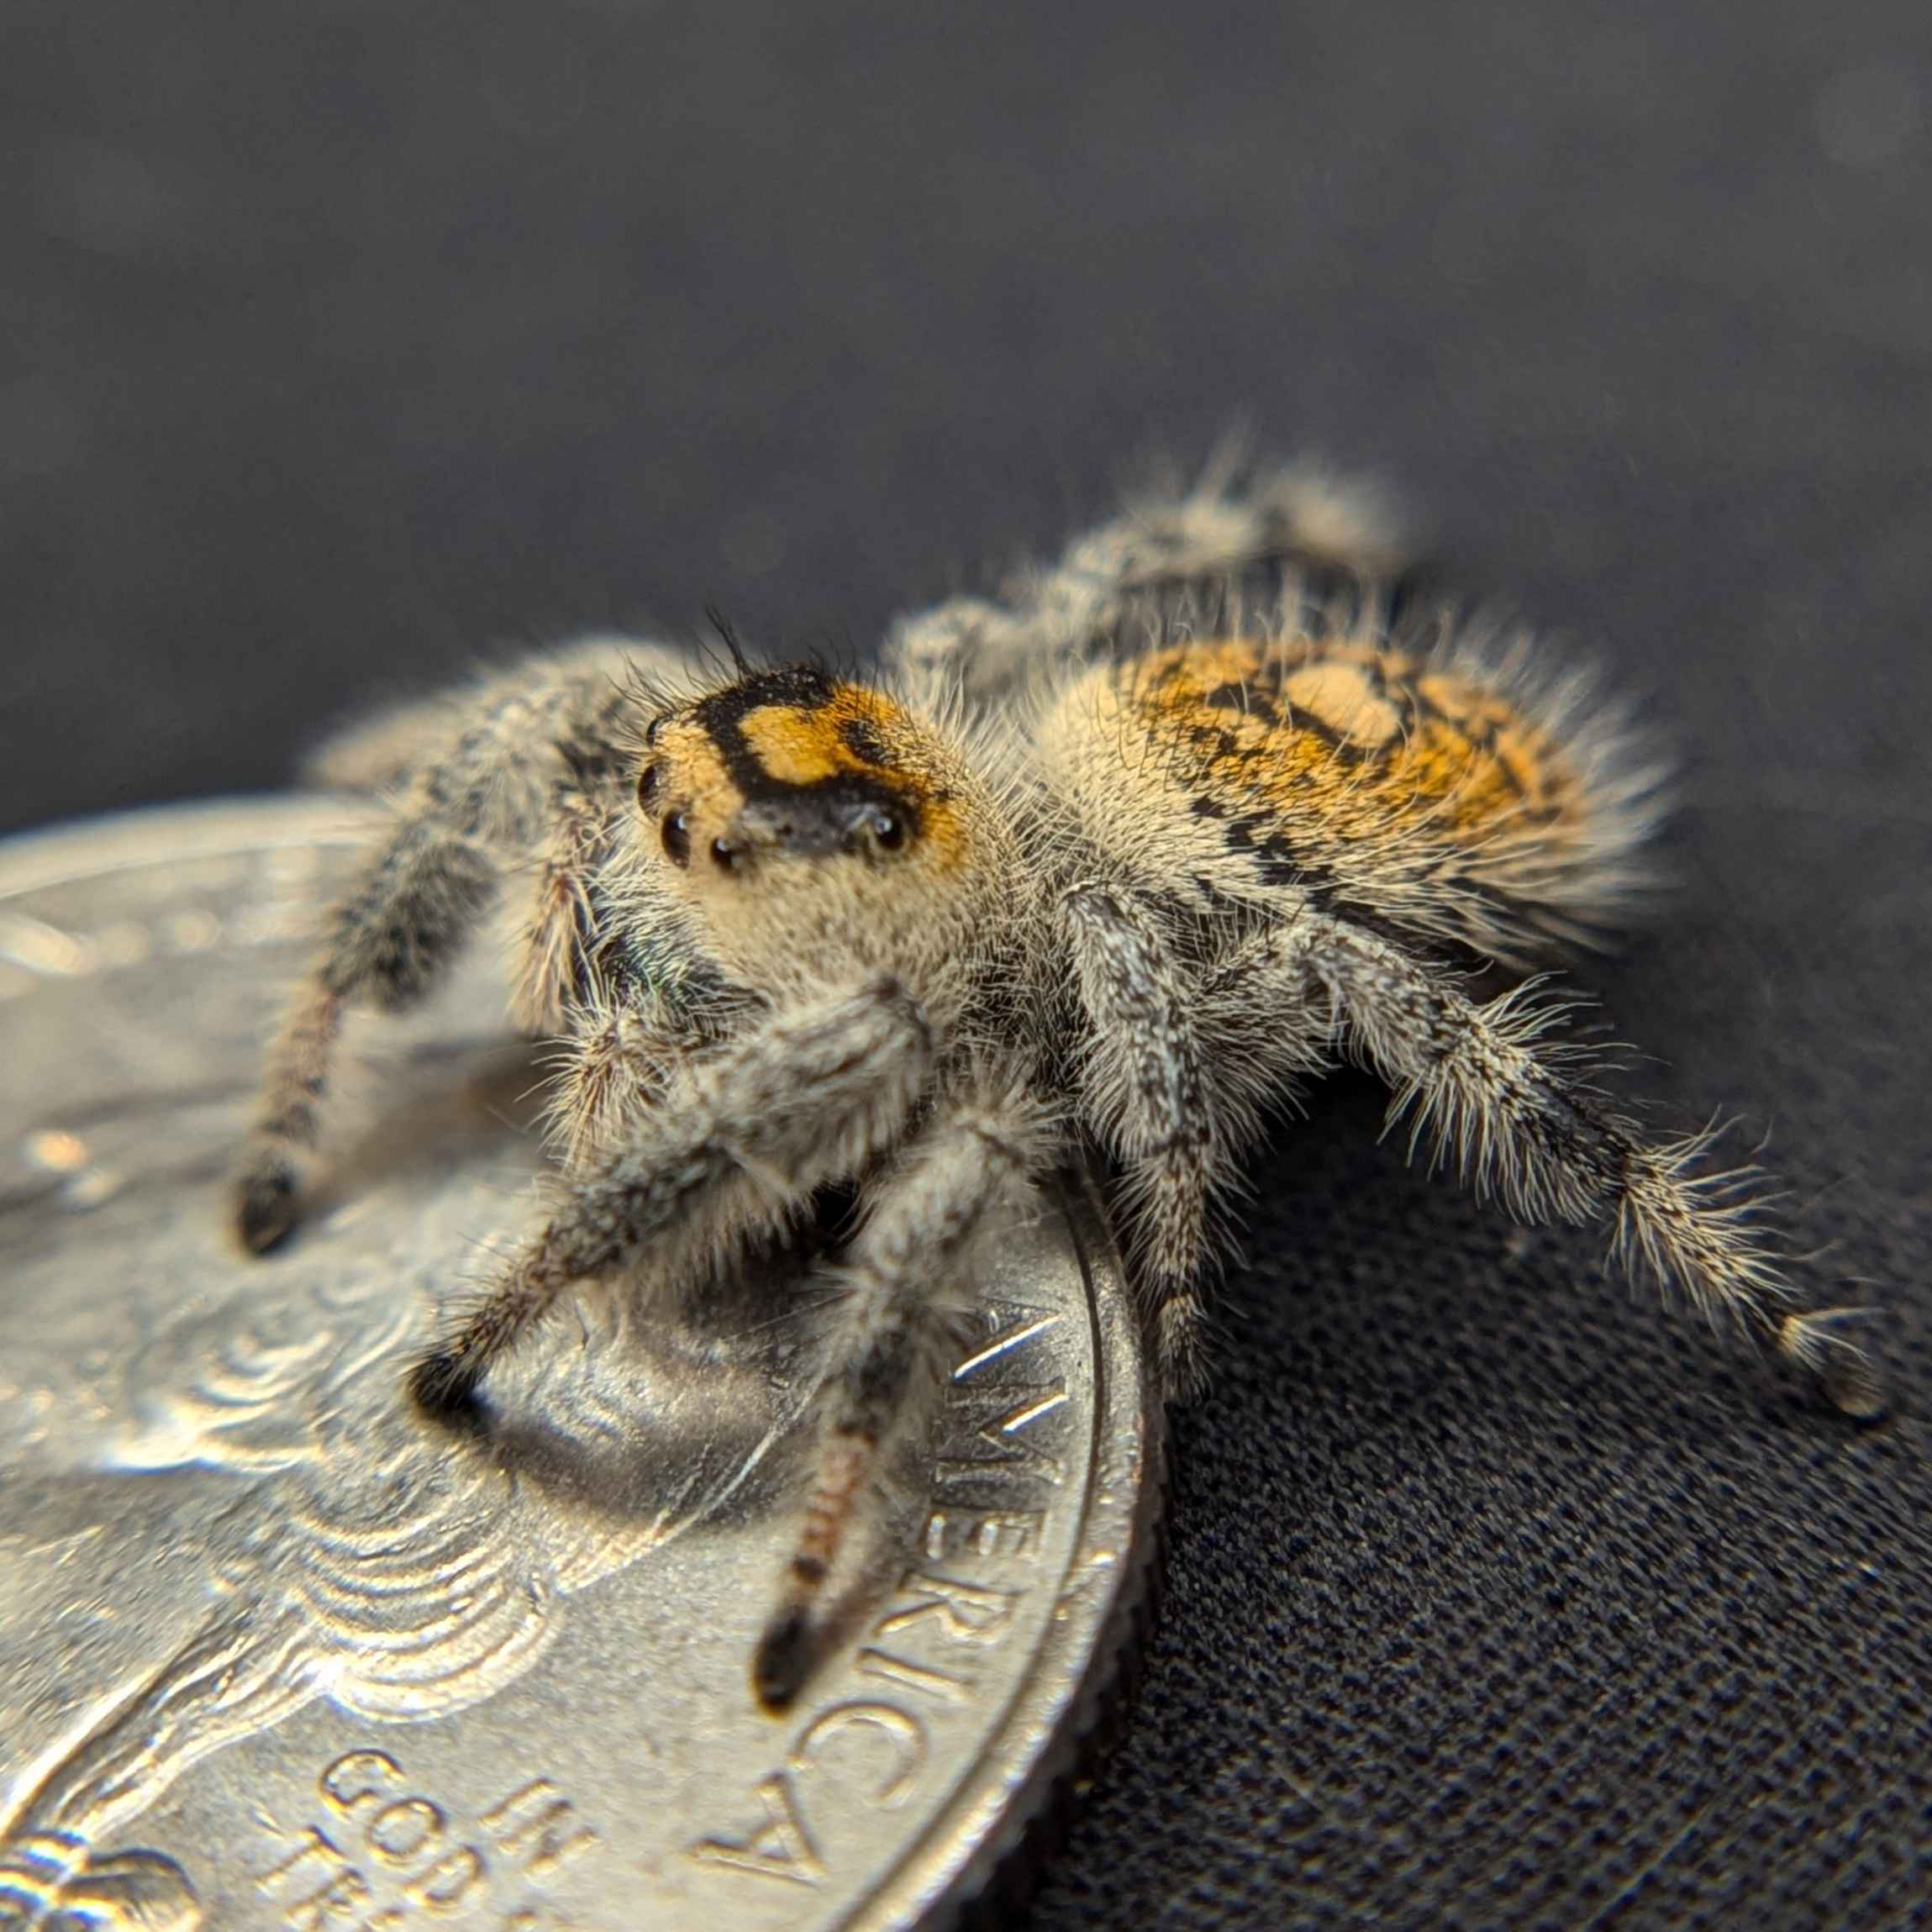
(1194, 813)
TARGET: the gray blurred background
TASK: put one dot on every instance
(339, 342)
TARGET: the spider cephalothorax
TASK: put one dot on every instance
(813, 825)
(1120, 860)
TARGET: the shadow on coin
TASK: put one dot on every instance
(656, 1432)
(637, 1412)
(685, 1441)
(441, 1105)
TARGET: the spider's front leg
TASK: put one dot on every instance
(1500, 1099)
(907, 1270)
(814, 1094)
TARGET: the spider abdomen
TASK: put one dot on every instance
(1452, 802)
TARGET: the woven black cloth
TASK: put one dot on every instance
(342, 340)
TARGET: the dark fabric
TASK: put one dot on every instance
(343, 340)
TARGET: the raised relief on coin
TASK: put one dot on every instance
(277, 1650)
(929, 1645)
(351, 1557)
(379, 1851)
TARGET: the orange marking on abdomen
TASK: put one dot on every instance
(1432, 749)
(1338, 696)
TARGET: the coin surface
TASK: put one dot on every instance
(276, 1652)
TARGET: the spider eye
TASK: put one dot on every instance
(676, 836)
(647, 786)
(888, 833)
(724, 853)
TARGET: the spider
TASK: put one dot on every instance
(1214, 802)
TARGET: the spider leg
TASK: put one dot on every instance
(1503, 1100)
(560, 948)
(616, 1069)
(811, 1096)
(1146, 1090)
(384, 752)
(1198, 539)
(482, 795)
(907, 1268)
(391, 939)
(1166, 1100)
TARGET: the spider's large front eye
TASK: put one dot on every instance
(876, 829)
(647, 783)
(676, 836)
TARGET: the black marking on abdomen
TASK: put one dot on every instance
(1245, 699)
(1257, 840)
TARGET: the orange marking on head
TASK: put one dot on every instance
(862, 733)
(793, 749)
(798, 747)
(695, 768)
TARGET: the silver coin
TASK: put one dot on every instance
(275, 1652)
